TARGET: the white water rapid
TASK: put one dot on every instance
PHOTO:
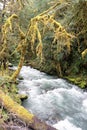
(54, 100)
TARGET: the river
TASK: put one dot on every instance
(54, 100)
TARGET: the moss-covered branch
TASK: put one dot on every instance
(22, 113)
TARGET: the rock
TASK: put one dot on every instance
(23, 97)
(10, 65)
(20, 78)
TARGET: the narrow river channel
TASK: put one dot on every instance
(54, 100)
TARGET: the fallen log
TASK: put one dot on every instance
(22, 113)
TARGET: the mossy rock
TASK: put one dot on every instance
(80, 81)
(23, 96)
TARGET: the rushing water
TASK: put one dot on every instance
(54, 100)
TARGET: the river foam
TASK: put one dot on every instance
(54, 100)
(65, 125)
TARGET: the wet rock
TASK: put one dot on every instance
(20, 78)
(10, 65)
(23, 97)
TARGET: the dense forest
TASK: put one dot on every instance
(48, 35)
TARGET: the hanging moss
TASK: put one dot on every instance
(64, 54)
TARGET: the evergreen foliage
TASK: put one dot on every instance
(31, 34)
(50, 35)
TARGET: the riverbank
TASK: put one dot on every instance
(13, 115)
(78, 79)
(8, 120)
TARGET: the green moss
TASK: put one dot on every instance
(3, 115)
(16, 108)
(10, 88)
(14, 88)
(78, 80)
(83, 84)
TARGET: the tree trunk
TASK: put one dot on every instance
(22, 113)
